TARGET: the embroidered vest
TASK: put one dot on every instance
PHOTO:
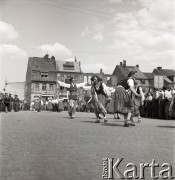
(73, 92)
(100, 89)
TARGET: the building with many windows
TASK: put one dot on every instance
(40, 77)
(64, 71)
(43, 73)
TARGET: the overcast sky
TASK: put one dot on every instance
(100, 33)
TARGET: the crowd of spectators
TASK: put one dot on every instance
(159, 103)
(9, 103)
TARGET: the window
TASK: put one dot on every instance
(50, 87)
(36, 87)
(61, 88)
(68, 66)
(44, 75)
(44, 87)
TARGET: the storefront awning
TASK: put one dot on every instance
(168, 80)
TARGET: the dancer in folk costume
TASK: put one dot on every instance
(123, 99)
(99, 93)
(137, 101)
(73, 94)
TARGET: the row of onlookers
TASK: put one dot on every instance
(54, 105)
(9, 103)
(159, 104)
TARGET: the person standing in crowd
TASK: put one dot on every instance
(10, 108)
(73, 94)
(50, 105)
(37, 104)
(1, 102)
(16, 103)
(172, 90)
(160, 104)
(60, 105)
(155, 104)
(6, 102)
(168, 97)
(148, 105)
(171, 109)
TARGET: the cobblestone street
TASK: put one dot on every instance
(51, 146)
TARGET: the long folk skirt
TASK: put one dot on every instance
(120, 101)
(98, 103)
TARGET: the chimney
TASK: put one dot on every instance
(121, 64)
(46, 56)
(124, 63)
(159, 68)
(137, 66)
(53, 57)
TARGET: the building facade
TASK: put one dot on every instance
(65, 70)
(105, 77)
(40, 77)
(121, 72)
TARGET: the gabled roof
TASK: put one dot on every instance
(68, 66)
(164, 72)
(123, 71)
(149, 75)
(42, 64)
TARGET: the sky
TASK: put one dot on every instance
(99, 33)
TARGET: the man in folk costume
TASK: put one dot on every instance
(73, 94)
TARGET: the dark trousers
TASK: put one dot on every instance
(16, 107)
(6, 107)
(149, 109)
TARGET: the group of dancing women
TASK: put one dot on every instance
(121, 100)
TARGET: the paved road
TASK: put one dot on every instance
(50, 146)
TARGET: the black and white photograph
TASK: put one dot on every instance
(87, 89)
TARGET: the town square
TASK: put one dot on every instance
(87, 89)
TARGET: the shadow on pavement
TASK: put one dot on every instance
(112, 124)
(89, 122)
(166, 126)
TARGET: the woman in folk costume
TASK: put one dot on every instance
(73, 94)
(37, 104)
(122, 100)
(50, 105)
(99, 93)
